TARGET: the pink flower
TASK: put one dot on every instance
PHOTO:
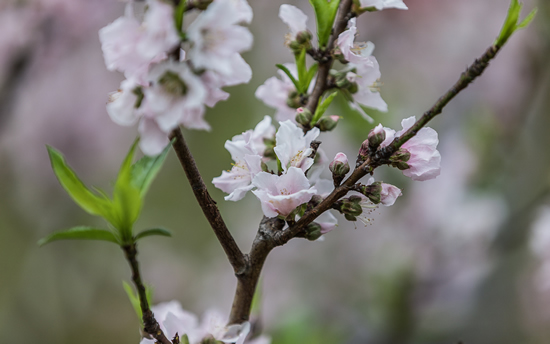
(293, 146)
(121, 106)
(280, 195)
(352, 51)
(174, 319)
(159, 31)
(383, 4)
(389, 194)
(425, 160)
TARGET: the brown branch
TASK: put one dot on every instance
(344, 11)
(150, 324)
(207, 204)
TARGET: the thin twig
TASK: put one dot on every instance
(208, 205)
(150, 324)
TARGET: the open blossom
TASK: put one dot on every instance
(364, 71)
(293, 146)
(176, 97)
(280, 195)
(238, 181)
(383, 4)
(217, 40)
(274, 93)
(130, 46)
(353, 52)
(174, 319)
(247, 153)
(122, 104)
(425, 160)
(294, 18)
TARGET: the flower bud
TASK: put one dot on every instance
(376, 136)
(373, 192)
(303, 116)
(339, 166)
(304, 37)
(313, 231)
(328, 123)
(402, 155)
(269, 151)
(294, 100)
(364, 150)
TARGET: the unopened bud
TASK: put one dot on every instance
(339, 166)
(303, 116)
(296, 47)
(313, 231)
(303, 37)
(373, 192)
(376, 136)
(294, 100)
(401, 155)
(184, 339)
(353, 88)
(328, 123)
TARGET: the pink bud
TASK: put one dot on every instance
(339, 166)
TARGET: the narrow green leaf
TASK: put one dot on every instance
(134, 299)
(302, 71)
(511, 23)
(153, 231)
(146, 169)
(528, 19)
(80, 233)
(84, 197)
(323, 106)
(126, 198)
(311, 74)
(289, 74)
(178, 16)
(325, 13)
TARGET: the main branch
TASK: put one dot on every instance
(207, 204)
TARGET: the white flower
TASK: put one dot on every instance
(294, 18)
(152, 139)
(119, 42)
(353, 52)
(173, 319)
(217, 39)
(121, 106)
(263, 130)
(176, 97)
(159, 31)
(383, 4)
(280, 195)
(274, 93)
(293, 146)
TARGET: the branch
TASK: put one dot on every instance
(150, 324)
(344, 11)
(377, 158)
(207, 204)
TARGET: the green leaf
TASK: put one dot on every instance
(325, 12)
(323, 106)
(80, 233)
(90, 202)
(126, 198)
(153, 231)
(310, 75)
(511, 22)
(302, 71)
(134, 299)
(179, 11)
(146, 169)
(289, 74)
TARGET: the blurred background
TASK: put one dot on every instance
(464, 257)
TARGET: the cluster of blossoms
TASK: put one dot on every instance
(172, 73)
(177, 322)
(358, 81)
(292, 183)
